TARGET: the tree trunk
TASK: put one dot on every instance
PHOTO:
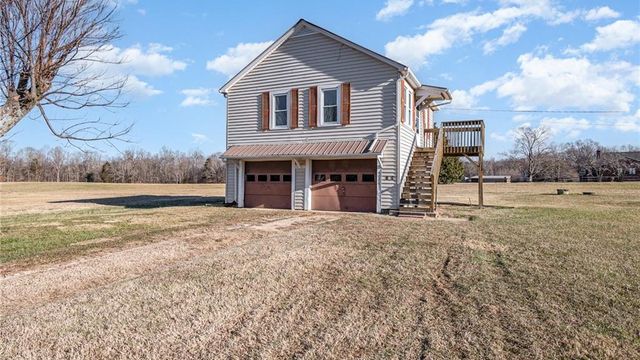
(10, 115)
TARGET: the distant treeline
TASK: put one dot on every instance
(581, 160)
(131, 166)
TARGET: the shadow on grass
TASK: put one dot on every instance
(474, 205)
(150, 201)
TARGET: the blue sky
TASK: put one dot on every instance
(521, 54)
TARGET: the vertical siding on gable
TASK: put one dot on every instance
(298, 194)
(312, 60)
(407, 145)
(230, 186)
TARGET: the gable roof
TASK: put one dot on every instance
(302, 23)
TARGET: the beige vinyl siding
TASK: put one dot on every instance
(231, 184)
(313, 60)
(388, 186)
(407, 144)
(298, 194)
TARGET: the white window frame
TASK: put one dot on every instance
(408, 106)
(272, 118)
(321, 105)
(632, 171)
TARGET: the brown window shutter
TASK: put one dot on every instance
(345, 106)
(265, 110)
(402, 102)
(294, 108)
(313, 106)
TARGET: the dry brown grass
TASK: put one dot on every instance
(533, 276)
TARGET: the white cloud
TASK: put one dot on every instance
(509, 135)
(462, 99)
(443, 33)
(454, 1)
(237, 57)
(629, 123)
(110, 65)
(560, 83)
(196, 97)
(520, 118)
(620, 34)
(149, 62)
(142, 12)
(603, 12)
(199, 138)
(393, 8)
(137, 87)
(569, 127)
(509, 35)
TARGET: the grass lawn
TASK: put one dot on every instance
(164, 271)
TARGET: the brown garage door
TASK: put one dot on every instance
(267, 184)
(344, 185)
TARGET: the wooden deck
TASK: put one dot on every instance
(461, 138)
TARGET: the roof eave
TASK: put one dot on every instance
(411, 78)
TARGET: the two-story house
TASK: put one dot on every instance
(317, 122)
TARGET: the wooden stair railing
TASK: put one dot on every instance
(435, 168)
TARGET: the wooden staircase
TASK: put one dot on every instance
(453, 138)
(418, 194)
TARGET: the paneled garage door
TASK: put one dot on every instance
(344, 185)
(267, 184)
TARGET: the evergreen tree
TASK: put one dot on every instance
(208, 171)
(107, 174)
(451, 170)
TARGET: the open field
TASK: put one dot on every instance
(164, 271)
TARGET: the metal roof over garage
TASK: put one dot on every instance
(325, 149)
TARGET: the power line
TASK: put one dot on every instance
(539, 111)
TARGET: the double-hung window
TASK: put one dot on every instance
(330, 106)
(280, 113)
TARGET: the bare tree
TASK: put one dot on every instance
(532, 146)
(57, 157)
(581, 154)
(49, 50)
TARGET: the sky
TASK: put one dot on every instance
(513, 55)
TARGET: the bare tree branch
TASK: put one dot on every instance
(50, 56)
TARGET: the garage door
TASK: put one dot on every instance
(268, 184)
(344, 185)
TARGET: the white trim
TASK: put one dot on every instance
(408, 105)
(313, 157)
(411, 78)
(299, 25)
(398, 143)
(241, 184)
(379, 184)
(307, 184)
(321, 90)
(272, 115)
(293, 184)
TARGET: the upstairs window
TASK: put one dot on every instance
(330, 108)
(280, 114)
